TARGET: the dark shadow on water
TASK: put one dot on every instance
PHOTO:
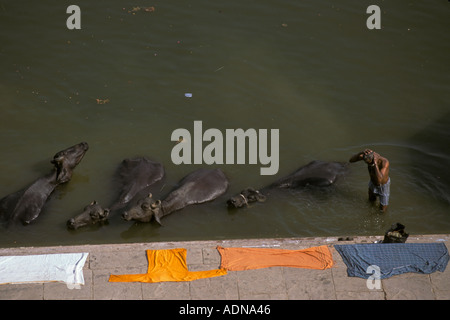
(430, 158)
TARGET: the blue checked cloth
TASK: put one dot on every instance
(393, 258)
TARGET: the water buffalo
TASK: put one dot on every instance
(134, 175)
(315, 173)
(25, 205)
(92, 214)
(197, 187)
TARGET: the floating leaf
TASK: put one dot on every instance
(102, 101)
(148, 9)
(145, 9)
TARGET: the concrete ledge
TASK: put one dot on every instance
(280, 283)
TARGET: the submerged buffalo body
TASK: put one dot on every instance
(315, 173)
(198, 187)
(25, 206)
(134, 176)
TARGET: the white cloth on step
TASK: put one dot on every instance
(65, 267)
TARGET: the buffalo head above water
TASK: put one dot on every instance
(145, 209)
(246, 196)
(66, 160)
(92, 214)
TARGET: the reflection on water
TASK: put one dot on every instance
(310, 69)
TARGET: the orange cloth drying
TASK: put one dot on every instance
(167, 265)
(235, 259)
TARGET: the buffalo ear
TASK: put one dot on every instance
(260, 197)
(156, 204)
(158, 219)
(57, 160)
(105, 213)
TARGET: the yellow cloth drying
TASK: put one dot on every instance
(167, 265)
(236, 259)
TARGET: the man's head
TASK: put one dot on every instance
(368, 156)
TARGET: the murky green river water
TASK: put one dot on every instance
(311, 69)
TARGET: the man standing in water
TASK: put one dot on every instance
(379, 184)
